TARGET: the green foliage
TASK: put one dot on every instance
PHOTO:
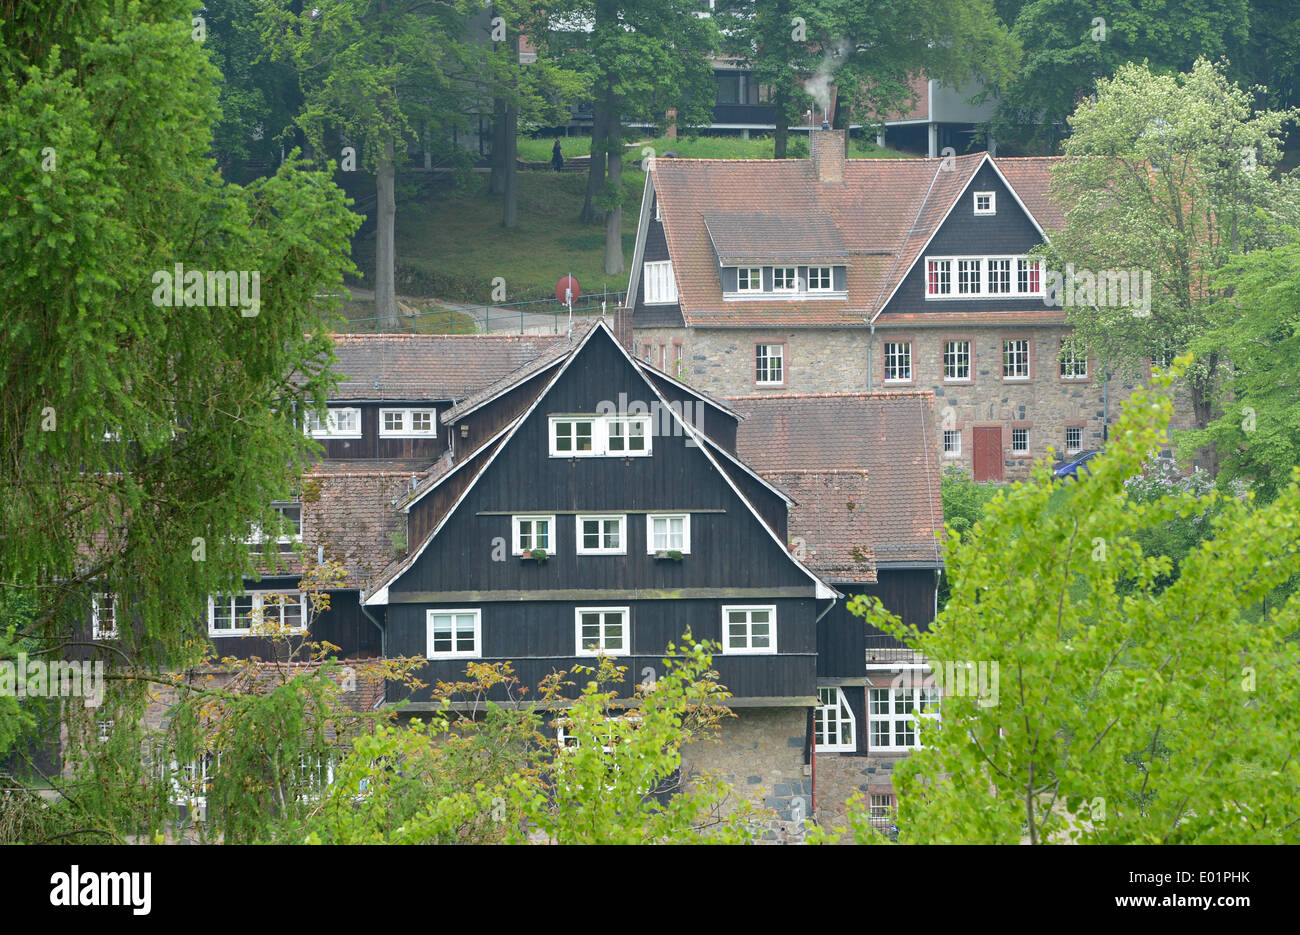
(1257, 431)
(963, 499)
(1122, 711)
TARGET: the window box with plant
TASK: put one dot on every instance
(673, 555)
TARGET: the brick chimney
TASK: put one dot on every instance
(827, 150)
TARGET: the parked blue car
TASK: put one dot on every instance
(1072, 467)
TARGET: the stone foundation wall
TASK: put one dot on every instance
(760, 754)
(840, 776)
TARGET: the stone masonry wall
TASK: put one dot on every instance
(760, 754)
(834, 360)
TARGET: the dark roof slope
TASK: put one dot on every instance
(889, 436)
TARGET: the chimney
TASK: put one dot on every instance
(827, 150)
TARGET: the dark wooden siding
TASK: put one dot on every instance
(524, 479)
(539, 638)
(841, 639)
(717, 425)
(1009, 232)
(656, 249)
(370, 445)
(343, 624)
(909, 593)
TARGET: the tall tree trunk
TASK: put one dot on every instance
(385, 257)
(510, 201)
(595, 174)
(614, 217)
(781, 138)
(497, 180)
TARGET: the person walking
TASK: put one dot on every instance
(557, 157)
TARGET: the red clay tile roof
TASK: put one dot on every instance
(889, 435)
(883, 213)
(430, 366)
(880, 219)
(830, 517)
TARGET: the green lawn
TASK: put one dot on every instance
(700, 147)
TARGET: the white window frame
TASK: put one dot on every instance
(748, 649)
(957, 354)
(896, 715)
(1029, 360)
(1072, 359)
(955, 450)
(881, 809)
(650, 532)
(1075, 449)
(256, 537)
(902, 358)
(829, 719)
(1022, 264)
(600, 435)
(96, 600)
(515, 521)
(331, 427)
(792, 279)
(977, 288)
(779, 356)
(625, 628)
(408, 420)
(1020, 450)
(944, 270)
(1011, 279)
(992, 207)
(829, 278)
(259, 603)
(660, 284)
(453, 653)
(620, 519)
(754, 283)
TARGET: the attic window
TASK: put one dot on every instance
(660, 286)
(338, 423)
(986, 203)
(395, 423)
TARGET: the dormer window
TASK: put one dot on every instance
(820, 279)
(749, 279)
(787, 283)
(395, 423)
(289, 535)
(985, 203)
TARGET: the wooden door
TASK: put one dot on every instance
(988, 453)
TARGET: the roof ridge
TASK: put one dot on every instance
(864, 394)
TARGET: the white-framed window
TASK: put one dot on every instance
(103, 616)
(986, 202)
(1074, 366)
(660, 286)
(1020, 441)
(627, 435)
(668, 532)
(289, 534)
(749, 279)
(452, 634)
(1029, 276)
(956, 361)
(892, 715)
(970, 276)
(952, 443)
(1015, 359)
(785, 278)
(243, 614)
(1164, 357)
(602, 535)
(898, 361)
(769, 364)
(104, 729)
(602, 631)
(417, 423)
(974, 277)
(834, 726)
(749, 629)
(1073, 439)
(620, 436)
(998, 275)
(938, 277)
(338, 423)
(531, 532)
(881, 809)
(820, 279)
